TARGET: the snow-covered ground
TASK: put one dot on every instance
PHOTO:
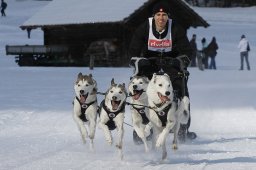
(37, 131)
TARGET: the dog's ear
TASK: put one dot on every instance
(124, 89)
(154, 78)
(79, 75)
(113, 82)
(146, 79)
(95, 83)
(94, 90)
(166, 75)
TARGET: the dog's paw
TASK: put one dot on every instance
(83, 136)
(160, 141)
(164, 155)
(119, 146)
(146, 148)
(109, 140)
(174, 146)
(84, 140)
(91, 137)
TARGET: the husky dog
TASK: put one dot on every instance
(112, 114)
(139, 110)
(165, 113)
(85, 106)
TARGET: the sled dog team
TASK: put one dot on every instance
(153, 107)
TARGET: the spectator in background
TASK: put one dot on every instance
(204, 55)
(195, 2)
(212, 52)
(206, 2)
(194, 50)
(244, 52)
(3, 7)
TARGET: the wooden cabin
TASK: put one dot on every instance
(98, 28)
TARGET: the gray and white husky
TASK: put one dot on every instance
(85, 106)
(165, 113)
(112, 114)
(139, 101)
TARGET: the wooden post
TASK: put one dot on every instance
(91, 62)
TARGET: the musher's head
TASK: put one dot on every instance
(160, 13)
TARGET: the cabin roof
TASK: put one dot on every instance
(74, 12)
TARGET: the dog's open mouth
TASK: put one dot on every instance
(83, 97)
(115, 104)
(136, 94)
(163, 98)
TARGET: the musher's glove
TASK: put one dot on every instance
(175, 63)
(180, 62)
(142, 66)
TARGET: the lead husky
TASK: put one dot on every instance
(165, 114)
(112, 114)
(139, 110)
(85, 106)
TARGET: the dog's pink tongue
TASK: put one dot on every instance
(163, 98)
(114, 105)
(136, 96)
(82, 99)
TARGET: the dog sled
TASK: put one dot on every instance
(183, 75)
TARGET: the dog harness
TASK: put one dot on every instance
(84, 107)
(111, 124)
(141, 111)
(162, 115)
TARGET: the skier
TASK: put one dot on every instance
(162, 44)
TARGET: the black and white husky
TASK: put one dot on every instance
(112, 114)
(85, 106)
(165, 113)
(139, 101)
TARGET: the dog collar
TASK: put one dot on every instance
(140, 110)
(85, 105)
(113, 114)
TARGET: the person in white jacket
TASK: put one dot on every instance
(244, 52)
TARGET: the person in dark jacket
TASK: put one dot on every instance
(194, 50)
(161, 44)
(203, 53)
(212, 52)
(3, 7)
